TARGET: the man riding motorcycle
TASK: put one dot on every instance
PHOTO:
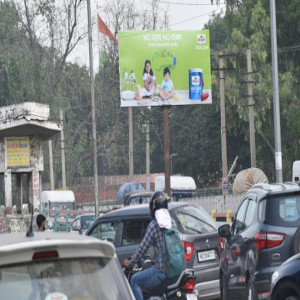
(155, 275)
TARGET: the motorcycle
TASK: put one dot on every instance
(171, 289)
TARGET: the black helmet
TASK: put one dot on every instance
(158, 200)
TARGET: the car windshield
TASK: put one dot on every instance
(87, 279)
(193, 219)
(87, 221)
(105, 231)
(282, 211)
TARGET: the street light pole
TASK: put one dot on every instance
(93, 109)
(276, 108)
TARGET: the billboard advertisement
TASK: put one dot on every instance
(17, 152)
(167, 67)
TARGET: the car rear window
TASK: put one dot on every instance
(283, 211)
(194, 220)
(89, 278)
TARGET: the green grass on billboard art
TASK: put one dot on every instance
(164, 67)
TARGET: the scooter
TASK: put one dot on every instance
(171, 289)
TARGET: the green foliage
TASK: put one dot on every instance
(31, 71)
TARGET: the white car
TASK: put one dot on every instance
(60, 266)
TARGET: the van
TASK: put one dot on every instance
(296, 171)
(58, 199)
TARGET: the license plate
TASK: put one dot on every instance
(206, 255)
(191, 297)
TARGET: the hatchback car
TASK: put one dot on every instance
(285, 283)
(264, 234)
(126, 227)
(59, 266)
(82, 223)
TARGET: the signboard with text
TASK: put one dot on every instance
(166, 67)
(225, 186)
(17, 152)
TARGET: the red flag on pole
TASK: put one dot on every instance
(102, 27)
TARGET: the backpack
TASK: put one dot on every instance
(173, 253)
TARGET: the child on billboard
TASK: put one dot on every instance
(148, 90)
(167, 87)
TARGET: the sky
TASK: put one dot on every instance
(183, 15)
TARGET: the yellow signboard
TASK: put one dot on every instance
(17, 152)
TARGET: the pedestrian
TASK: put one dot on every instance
(41, 222)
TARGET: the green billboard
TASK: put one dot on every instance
(167, 67)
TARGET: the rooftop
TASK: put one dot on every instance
(26, 119)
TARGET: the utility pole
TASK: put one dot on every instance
(130, 144)
(166, 150)
(51, 165)
(276, 108)
(63, 161)
(93, 109)
(147, 155)
(223, 117)
(251, 113)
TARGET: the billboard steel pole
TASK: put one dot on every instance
(276, 108)
(147, 155)
(130, 144)
(166, 150)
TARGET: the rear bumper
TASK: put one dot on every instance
(262, 280)
(208, 290)
(207, 283)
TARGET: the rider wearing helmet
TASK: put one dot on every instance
(154, 276)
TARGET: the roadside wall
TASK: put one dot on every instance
(217, 203)
(83, 187)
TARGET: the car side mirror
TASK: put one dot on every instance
(224, 231)
(76, 228)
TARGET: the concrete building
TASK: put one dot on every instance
(23, 127)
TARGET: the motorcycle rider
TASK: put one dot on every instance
(154, 276)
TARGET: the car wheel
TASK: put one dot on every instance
(291, 298)
(224, 289)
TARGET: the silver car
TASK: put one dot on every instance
(59, 266)
(126, 227)
(82, 223)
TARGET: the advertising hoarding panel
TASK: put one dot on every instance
(17, 152)
(164, 68)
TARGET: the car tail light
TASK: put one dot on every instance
(222, 243)
(188, 250)
(45, 254)
(190, 285)
(265, 240)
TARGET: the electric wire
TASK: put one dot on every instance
(189, 4)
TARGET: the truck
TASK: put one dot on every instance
(58, 199)
(181, 186)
